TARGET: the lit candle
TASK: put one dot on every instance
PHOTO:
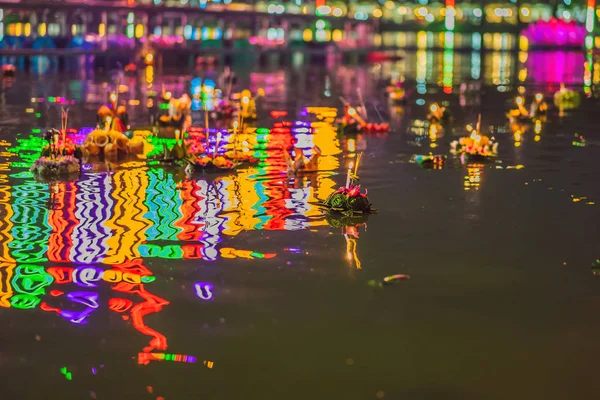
(348, 175)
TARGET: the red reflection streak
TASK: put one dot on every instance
(276, 207)
(276, 191)
(45, 307)
(192, 251)
(152, 304)
(119, 304)
(189, 209)
(63, 221)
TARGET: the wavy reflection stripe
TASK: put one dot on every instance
(30, 230)
(190, 200)
(163, 206)
(6, 291)
(62, 220)
(5, 224)
(170, 209)
(93, 209)
(276, 205)
(153, 203)
(128, 220)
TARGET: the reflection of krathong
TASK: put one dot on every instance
(350, 225)
(475, 146)
(300, 163)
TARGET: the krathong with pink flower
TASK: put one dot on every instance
(349, 199)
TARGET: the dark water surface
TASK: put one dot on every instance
(501, 303)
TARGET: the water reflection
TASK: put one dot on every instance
(80, 250)
(64, 243)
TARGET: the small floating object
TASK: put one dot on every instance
(8, 70)
(130, 68)
(537, 111)
(430, 161)
(388, 280)
(596, 268)
(579, 141)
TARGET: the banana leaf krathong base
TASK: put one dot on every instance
(349, 201)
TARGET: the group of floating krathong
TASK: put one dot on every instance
(478, 147)
(222, 142)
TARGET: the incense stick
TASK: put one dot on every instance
(357, 162)
(362, 103)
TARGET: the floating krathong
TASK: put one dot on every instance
(438, 114)
(430, 161)
(538, 110)
(55, 166)
(354, 122)
(60, 157)
(247, 103)
(113, 116)
(111, 144)
(475, 146)
(349, 199)
(396, 92)
(174, 115)
(566, 99)
(212, 162)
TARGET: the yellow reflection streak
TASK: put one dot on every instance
(127, 221)
(7, 263)
(351, 254)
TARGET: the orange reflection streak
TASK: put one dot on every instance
(190, 230)
(5, 222)
(119, 304)
(62, 220)
(61, 275)
(7, 263)
(6, 273)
